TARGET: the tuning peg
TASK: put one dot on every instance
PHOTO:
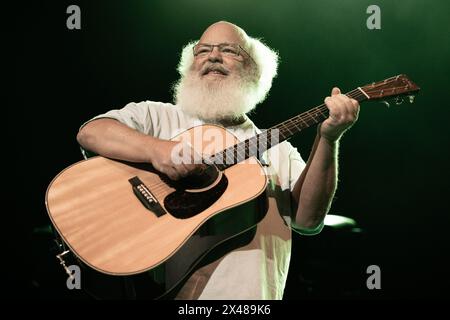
(411, 98)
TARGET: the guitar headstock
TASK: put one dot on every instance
(394, 87)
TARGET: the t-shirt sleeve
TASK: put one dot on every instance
(286, 163)
(143, 116)
(135, 115)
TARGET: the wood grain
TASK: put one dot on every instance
(93, 208)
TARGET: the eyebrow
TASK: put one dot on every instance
(240, 46)
(211, 44)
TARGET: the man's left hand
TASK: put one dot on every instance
(343, 114)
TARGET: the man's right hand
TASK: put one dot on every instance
(173, 158)
(112, 139)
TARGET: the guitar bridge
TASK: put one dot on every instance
(146, 197)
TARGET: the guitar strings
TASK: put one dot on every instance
(310, 115)
(161, 189)
(303, 120)
(286, 125)
(296, 123)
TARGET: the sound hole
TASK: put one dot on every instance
(184, 204)
(205, 176)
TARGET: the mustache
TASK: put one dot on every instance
(214, 67)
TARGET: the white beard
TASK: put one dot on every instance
(216, 99)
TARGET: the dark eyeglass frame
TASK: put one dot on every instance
(211, 46)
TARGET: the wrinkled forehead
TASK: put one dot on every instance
(222, 33)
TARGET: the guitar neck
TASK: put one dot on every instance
(288, 128)
(256, 145)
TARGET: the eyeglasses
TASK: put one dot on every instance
(227, 49)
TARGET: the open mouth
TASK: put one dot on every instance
(215, 71)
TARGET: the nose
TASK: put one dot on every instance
(215, 55)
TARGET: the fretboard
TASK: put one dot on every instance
(258, 144)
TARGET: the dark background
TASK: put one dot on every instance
(393, 162)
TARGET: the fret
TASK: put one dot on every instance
(256, 145)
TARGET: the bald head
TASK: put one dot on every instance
(216, 83)
(224, 32)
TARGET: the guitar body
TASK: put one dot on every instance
(98, 214)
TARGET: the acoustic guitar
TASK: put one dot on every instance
(123, 219)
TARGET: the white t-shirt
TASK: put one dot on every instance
(259, 269)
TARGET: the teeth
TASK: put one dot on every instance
(215, 72)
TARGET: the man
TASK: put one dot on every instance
(224, 76)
